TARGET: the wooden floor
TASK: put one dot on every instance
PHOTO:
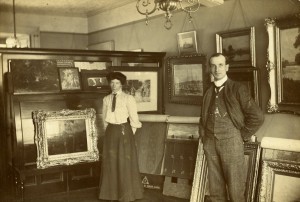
(90, 195)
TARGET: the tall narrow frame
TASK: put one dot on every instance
(284, 82)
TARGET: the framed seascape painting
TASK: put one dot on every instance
(187, 79)
(65, 137)
(187, 43)
(69, 78)
(238, 45)
(143, 84)
(284, 63)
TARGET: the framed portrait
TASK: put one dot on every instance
(34, 76)
(187, 79)
(278, 176)
(284, 63)
(69, 78)
(65, 137)
(187, 43)
(238, 46)
(248, 77)
(142, 84)
(95, 80)
(106, 45)
(200, 190)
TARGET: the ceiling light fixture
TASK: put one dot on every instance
(147, 7)
(13, 42)
(168, 6)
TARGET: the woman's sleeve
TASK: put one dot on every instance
(132, 111)
(104, 111)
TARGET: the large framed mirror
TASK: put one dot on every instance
(65, 137)
(284, 63)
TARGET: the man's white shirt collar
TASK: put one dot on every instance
(221, 81)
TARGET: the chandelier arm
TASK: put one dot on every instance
(144, 5)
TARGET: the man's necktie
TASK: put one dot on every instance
(219, 88)
(113, 106)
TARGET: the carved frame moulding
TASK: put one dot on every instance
(271, 169)
(283, 63)
(65, 137)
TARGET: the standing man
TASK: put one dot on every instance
(229, 118)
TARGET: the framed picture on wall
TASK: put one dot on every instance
(34, 76)
(69, 78)
(238, 45)
(248, 77)
(94, 80)
(187, 79)
(284, 63)
(187, 43)
(143, 84)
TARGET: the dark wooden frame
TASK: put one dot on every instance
(75, 72)
(249, 31)
(275, 63)
(186, 60)
(86, 74)
(159, 90)
(249, 77)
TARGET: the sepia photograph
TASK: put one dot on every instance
(149, 101)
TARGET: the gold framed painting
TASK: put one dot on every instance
(65, 137)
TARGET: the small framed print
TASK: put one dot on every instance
(187, 43)
(69, 78)
(94, 80)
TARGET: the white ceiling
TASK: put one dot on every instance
(63, 7)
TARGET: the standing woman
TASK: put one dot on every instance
(120, 178)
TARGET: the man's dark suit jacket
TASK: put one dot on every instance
(243, 111)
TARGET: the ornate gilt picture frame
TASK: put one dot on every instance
(283, 63)
(280, 182)
(65, 137)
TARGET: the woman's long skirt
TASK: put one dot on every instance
(120, 178)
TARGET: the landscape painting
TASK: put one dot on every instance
(34, 76)
(290, 62)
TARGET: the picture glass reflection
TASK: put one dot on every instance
(66, 136)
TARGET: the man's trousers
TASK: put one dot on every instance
(226, 167)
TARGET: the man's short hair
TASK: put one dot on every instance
(116, 75)
(217, 55)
